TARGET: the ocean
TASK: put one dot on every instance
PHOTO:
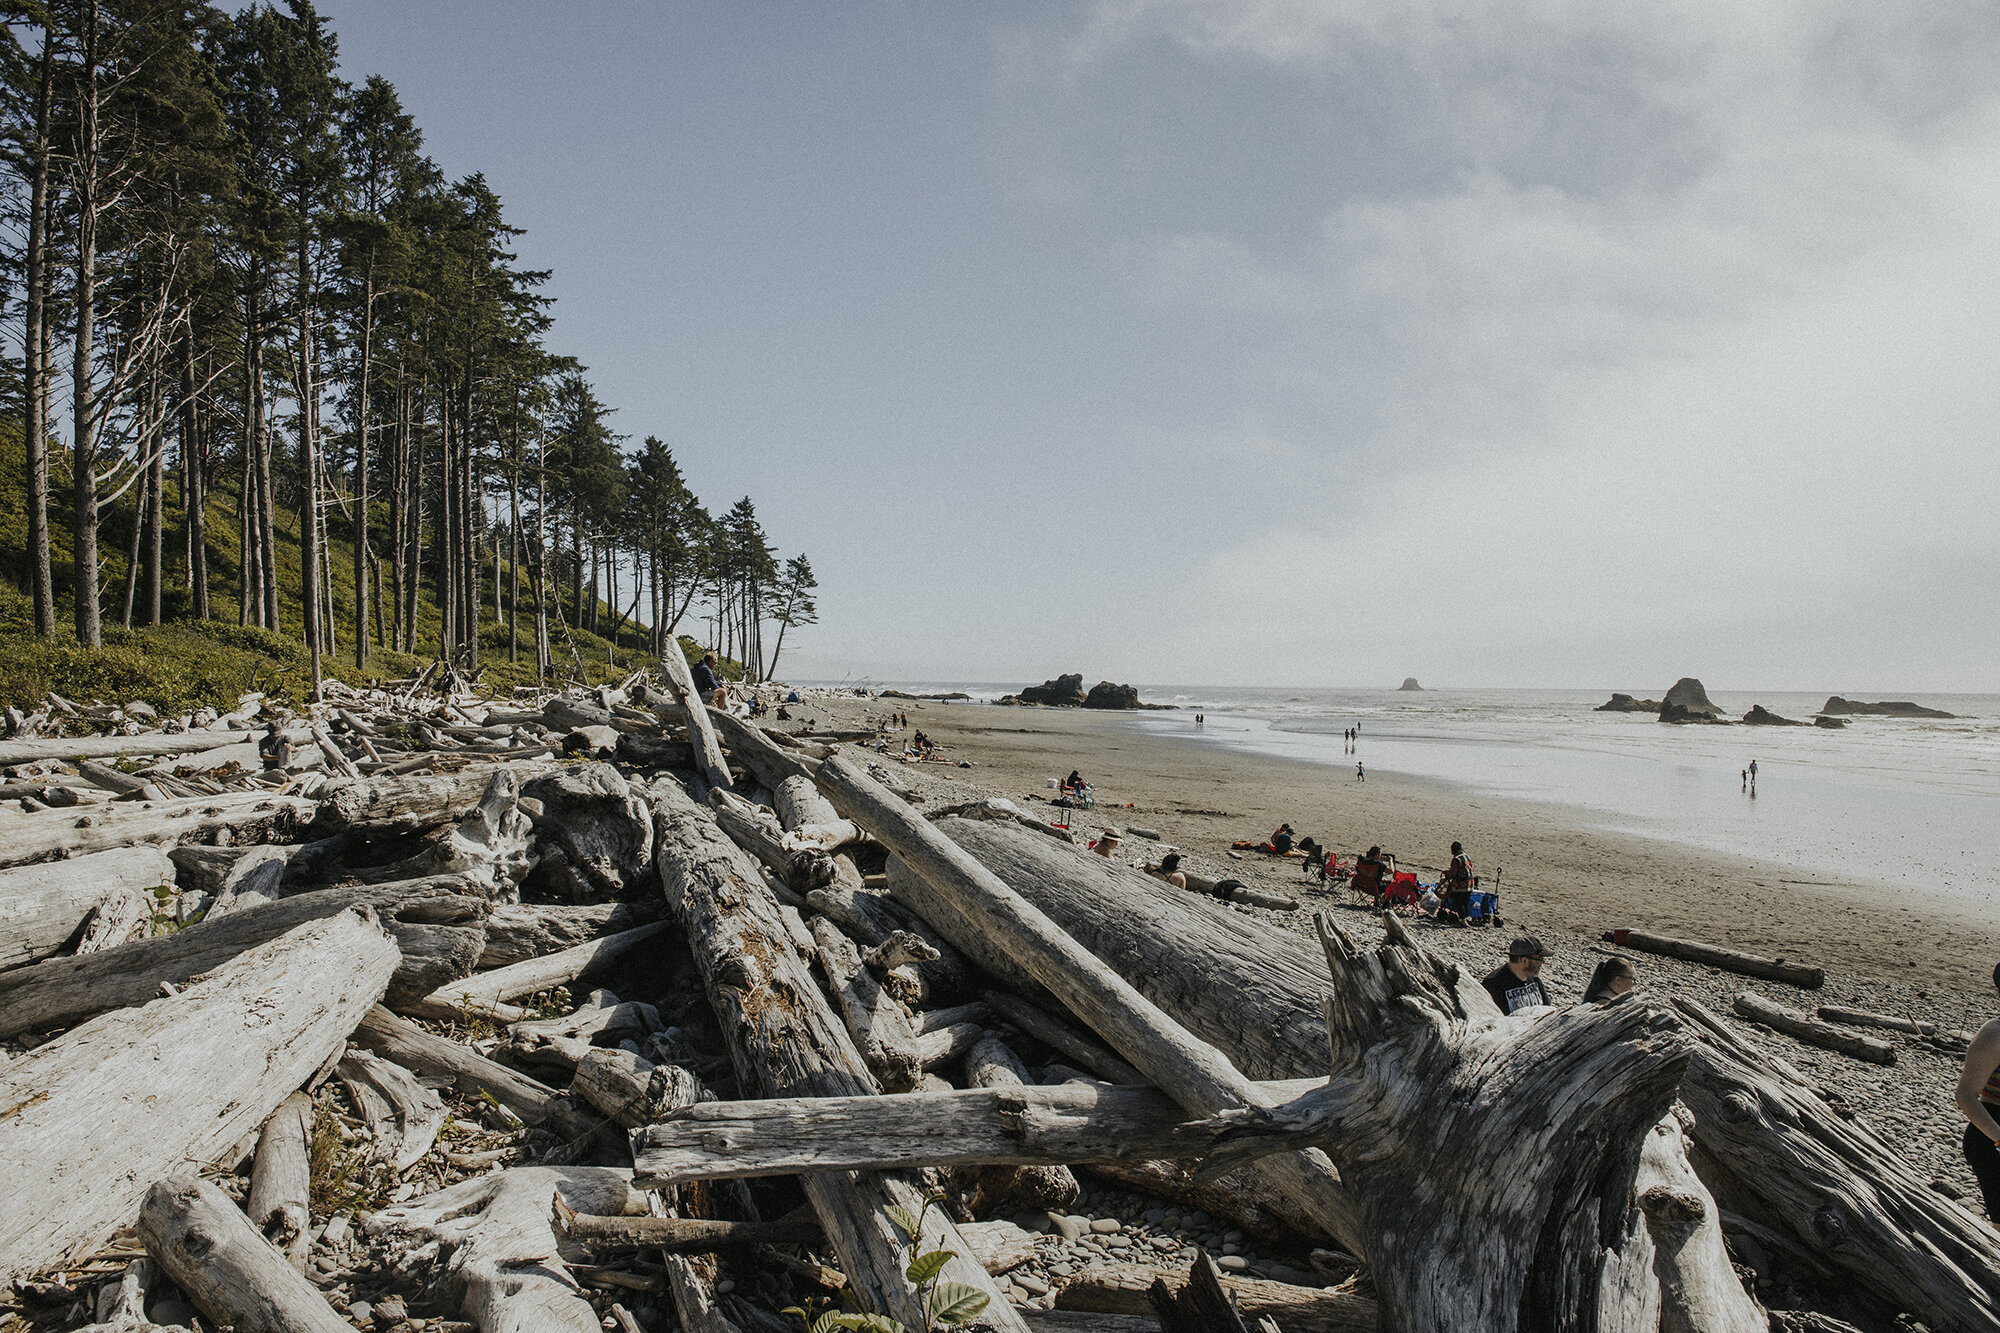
(1909, 803)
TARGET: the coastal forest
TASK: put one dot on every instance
(279, 401)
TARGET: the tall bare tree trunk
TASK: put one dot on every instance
(156, 485)
(259, 429)
(309, 545)
(194, 482)
(361, 413)
(83, 407)
(35, 349)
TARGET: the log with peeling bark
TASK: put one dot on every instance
(247, 816)
(1194, 1073)
(516, 932)
(1783, 1018)
(96, 1115)
(1773, 1149)
(402, 1041)
(1121, 1289)
(42, 906)
(785, 1041)
(431, 919)
(503, 1268)
(281, 1178)
(484, 992)
(880, 1027)
(1729, 960)
(402, 1116)
(201, 1240)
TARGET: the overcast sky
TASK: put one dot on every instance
(1274, 342)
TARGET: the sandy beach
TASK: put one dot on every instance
(1567, 883)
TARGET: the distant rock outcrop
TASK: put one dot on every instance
(947, 698)
(1062, 692)
(1687, 701)
(1759, 716)
(1625, 703)
(1106, 695)
(1409, 683)
(1839, 707)
(1824, 721)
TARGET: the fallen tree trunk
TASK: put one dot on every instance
(114, 747)
(1786, 1156)
(1045, 1125)
(202, 1241)
(71, 833)
(392, 806)
(1122, 1288)
(701, 731)
(483, 992)
(1811, 1031)
(42, 906)
(1729, 960)
(409, 1045)
(756, 751)
(95, 1116)
(280, 1178)
(679, 1235)
(879, 1026)
(1194, 1073)
(401, 1114)
(516, 932)
(503, 1268)
(1834, 1013)
(425, 916)
(785, 1041)
(759, 835)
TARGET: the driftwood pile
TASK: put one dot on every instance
(313, 1021)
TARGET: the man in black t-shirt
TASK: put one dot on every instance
(1517, 985)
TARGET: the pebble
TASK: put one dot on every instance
(361, 1312)
(1231, 1247)
(1232, 1263)
(1118, 1242)
(1156, 1217)
(390, 1312)
(1106, 1226)
(1068, 1226)
(1031, 1284)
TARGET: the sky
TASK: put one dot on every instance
(1286, 343)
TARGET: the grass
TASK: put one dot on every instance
(186, 663)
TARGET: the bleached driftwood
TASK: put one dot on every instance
(1834, 1013)
(281, 1178)
(502, 1268)
(1698, 1291)
(389, 806)
(708, 758)
(42, 906)
(757, 833)
(630, 1089)
(872, 918)
(678, 1235)
(782, 1034)
(401, 1114)
(901, 949)
(490, 846)
(123, 1100)
(113, 747)
(410, 1046)
(1240, 1196)
(1773, 1149)
(258, 876)
(756, 751)
(1060, 1036)
(1194, 1073)
(991, 1063)
(485, 992)
(73, 832)
(1011, 1125)
(516, 932)
(1122, 1289)
(201, 1240)
(1729, 960)
(1811, 1031)
(118, 919)
(432, 919)
(879, 1026)
(601, 824)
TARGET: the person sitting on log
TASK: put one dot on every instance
(1169, 869)
(1979, 1100)
(274, 749)
(1614, 977)
(1517, 983)
(706, 686)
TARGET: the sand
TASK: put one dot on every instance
(1553, 869)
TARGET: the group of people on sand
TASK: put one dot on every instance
(1517, 983)
(1451, 901)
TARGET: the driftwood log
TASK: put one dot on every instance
(113, 747)
(880, 1027)
(485, 992)
(1729, 960)
(1783, 1018)
(401, 1114)
(431, 919)
(1194, 1073)
(391, 806)
(201, 1240)
(503, 1267)
(516, 932)
(1774, 1150)
(1061, 1037)
(408, 1045)
(1862, 1018)
(95, 1116)
(1121, 1289)
(708, 759)
(602, 826)
(41, 907)
(77, 832)
(785, 1041)
(281, 1177)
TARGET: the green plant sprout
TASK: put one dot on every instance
(945, 1304)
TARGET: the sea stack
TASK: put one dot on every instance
(1625, 703)
(1687, 701)
(1759, 716)
(1839, 707)
(1409, 683)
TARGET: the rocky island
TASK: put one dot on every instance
(1409, 683)
(1839, 707)
(1067, 692)
(1687, 701)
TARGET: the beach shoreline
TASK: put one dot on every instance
(1558, 866)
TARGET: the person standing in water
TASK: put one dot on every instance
(1979, 1101)
(1753, 774)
